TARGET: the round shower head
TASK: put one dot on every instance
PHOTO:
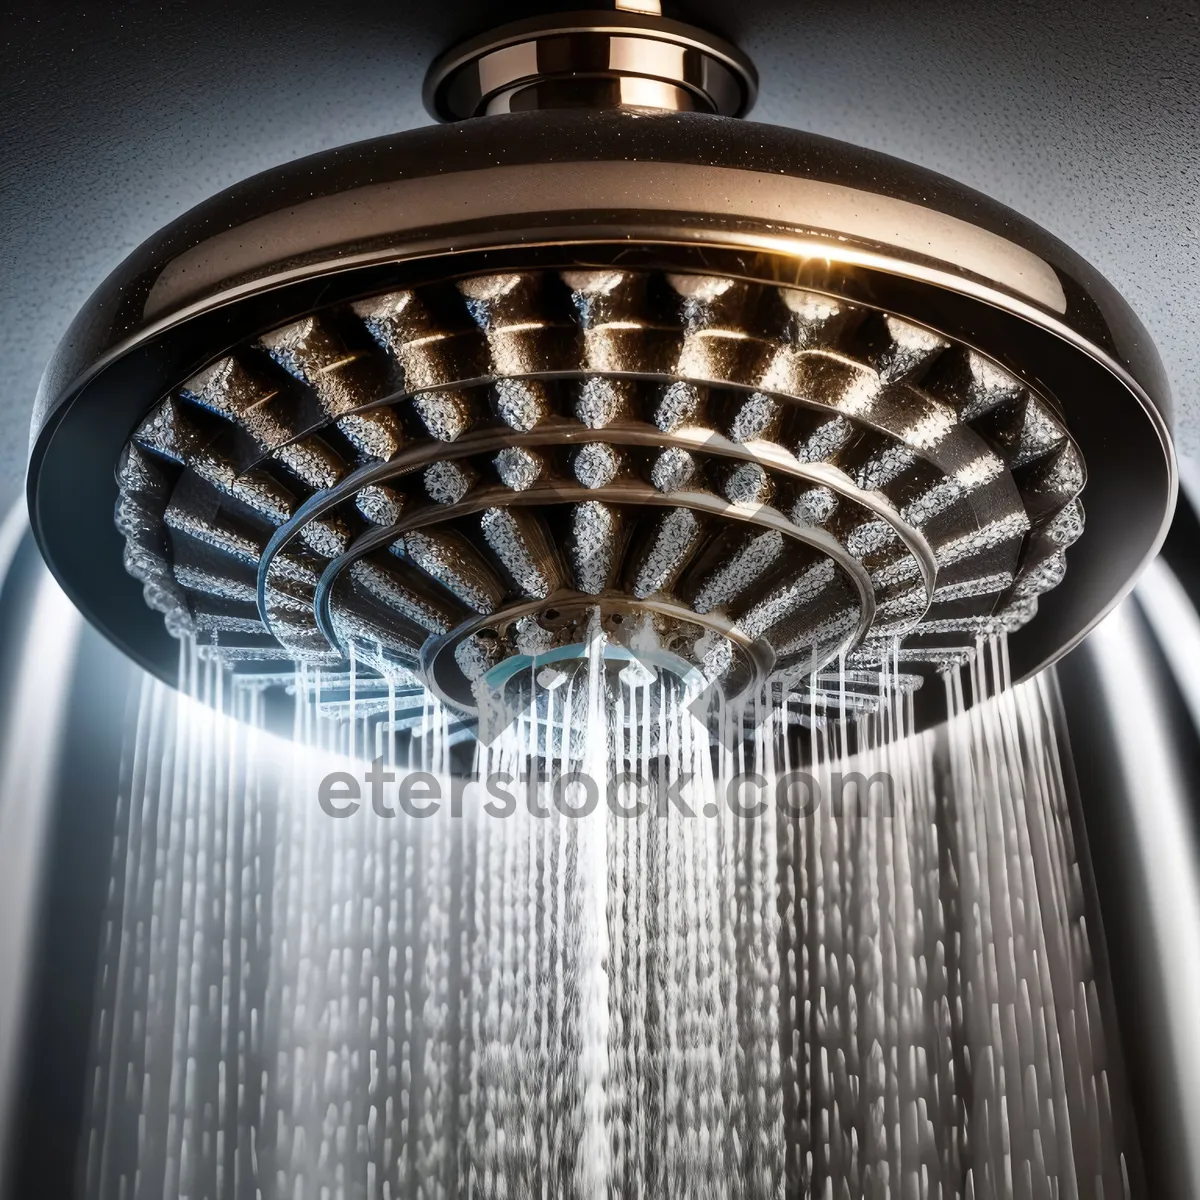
(762, 399)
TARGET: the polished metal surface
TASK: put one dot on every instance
(499, 214)
(1126, 700)
(593, 60)
(767, 476)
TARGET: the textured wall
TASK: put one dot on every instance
(114, 119)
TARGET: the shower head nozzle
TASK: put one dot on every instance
(759, 398)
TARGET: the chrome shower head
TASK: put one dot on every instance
(760, 398)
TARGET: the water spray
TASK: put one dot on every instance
(602, 438)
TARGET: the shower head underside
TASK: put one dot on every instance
(447, 476)
(763, 400)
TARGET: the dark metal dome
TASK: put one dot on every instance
(768, 398)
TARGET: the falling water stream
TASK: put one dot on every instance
(643, 951)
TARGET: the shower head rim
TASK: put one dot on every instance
(214, 243)
(116, 338)
(165, 662)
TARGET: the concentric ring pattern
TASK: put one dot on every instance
(755, 477)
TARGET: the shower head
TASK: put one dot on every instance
(763, 400)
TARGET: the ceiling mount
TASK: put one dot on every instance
(623, 58)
